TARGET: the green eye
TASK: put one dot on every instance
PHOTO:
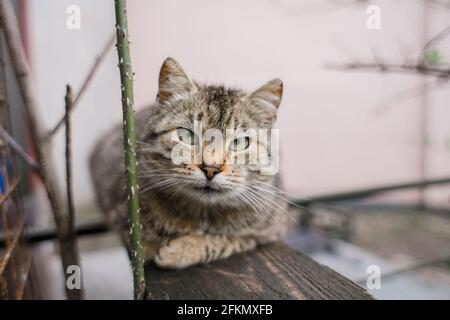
(240, 144)
(185, 136)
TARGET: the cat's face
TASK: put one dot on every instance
(202, 142)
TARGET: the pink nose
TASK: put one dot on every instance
(210, 172)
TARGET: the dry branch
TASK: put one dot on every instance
(8, 23)
(18, 149)
(87, 81)
(71, 232)
(420, 67)
(393, 68)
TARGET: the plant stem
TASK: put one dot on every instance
(129, 134)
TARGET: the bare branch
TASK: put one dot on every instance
(68, 125)
(432, 42)
(420, 67)
(440, 4)
(403, 95)
(8, 24)
(71, 232)
(69, 104)
(18, 149)
(392, 68)
(87, 81)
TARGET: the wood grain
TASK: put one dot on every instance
(271, 272)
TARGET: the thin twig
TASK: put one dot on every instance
(420, 67)
(87, 81)
(71, 232)
(18, 149)
(8, 23)
(430, 43)
(403, 95)
(126, 79)
(443, 74)
(69, 104)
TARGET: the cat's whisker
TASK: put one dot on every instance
(245, 201)
(182, 186)
(160, 184)
(157, 181)
(156, 175)
(269, 185)
(249, 196)
(159, 188)
(280, 190)
(271, 207)
(263, 209)
(260, 200)
(279, 196)
(268, 199)
(142, 142)
(157, 170)
(146, 171)
(144, 149)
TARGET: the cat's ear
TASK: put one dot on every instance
(268, 97)
(173, 81)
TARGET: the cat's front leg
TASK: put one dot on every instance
(193, 249)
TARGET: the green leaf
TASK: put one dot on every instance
(433, 57)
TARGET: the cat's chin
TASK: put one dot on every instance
(209, 195)
(208, 190)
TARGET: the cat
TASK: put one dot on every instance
(194, 212)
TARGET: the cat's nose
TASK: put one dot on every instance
(210, 172)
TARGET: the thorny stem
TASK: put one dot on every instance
(126, 78)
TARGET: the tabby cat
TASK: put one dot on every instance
(195, 211)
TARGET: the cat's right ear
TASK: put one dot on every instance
(173, 81)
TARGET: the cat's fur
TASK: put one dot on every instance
(183, 223)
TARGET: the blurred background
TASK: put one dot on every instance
(363, 107)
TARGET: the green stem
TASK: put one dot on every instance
(129, 133)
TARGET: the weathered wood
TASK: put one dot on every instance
(271, 272)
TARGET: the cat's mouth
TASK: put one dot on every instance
(208, 189)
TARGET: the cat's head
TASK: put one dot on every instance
(206, 142)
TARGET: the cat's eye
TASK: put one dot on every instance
(185, 135)
(240, 144)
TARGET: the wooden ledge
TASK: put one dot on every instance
(272, 272)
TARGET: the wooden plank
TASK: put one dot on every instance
(272, 272)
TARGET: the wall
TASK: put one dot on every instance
(334, 136)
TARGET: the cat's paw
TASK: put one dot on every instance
(179, 253)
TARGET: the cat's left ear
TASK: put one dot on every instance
(268, 97)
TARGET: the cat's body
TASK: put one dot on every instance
(200, 211)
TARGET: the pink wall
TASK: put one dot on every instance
(332, 138)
